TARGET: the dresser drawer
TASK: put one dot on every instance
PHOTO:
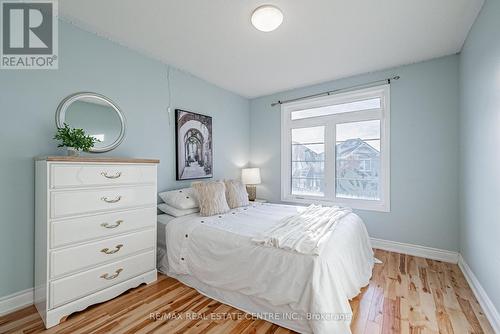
(67, 260)
(70, 288)
(70, 231)
(71, 175)
(70, 203)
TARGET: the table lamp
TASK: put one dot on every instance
(250, 177)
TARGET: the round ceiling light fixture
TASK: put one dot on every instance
(267, 18)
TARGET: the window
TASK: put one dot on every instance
(357, 148)
(335, 150)
(308, 161)
(99, 137)
(337, 109)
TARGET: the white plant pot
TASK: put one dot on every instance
(72, 152)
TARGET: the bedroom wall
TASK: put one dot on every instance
(480, 141)
(28, 101)
(424, 151)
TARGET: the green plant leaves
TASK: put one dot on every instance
(71, 137)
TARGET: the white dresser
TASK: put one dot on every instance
(95, 231)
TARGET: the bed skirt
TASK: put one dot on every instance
(280, 315)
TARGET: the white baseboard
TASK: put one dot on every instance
(416, 250)
(16, 301)
(486, 304)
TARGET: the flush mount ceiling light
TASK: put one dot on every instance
(267, 18)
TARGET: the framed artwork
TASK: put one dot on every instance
(193, 142)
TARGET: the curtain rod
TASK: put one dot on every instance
(388, 80)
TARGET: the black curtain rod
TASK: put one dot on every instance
(388, 80)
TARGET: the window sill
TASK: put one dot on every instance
(353, 204)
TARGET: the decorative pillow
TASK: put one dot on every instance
(180, 199)
(211, 197)
(168, 209)
(236, 194)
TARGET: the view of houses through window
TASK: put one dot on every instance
(358, 160)
(357, 152)
(308, 161)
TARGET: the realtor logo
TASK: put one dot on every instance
(29, 34)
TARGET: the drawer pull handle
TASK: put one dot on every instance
(117, 175)
(107, 251)
(107, 200)
(115, 275)
(115, 225)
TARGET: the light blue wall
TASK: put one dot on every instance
(424, 151)
(480, 150)
(28, 101)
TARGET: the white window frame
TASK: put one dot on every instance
(364, 163)
(330, 122)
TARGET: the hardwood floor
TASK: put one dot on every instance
(406, 294)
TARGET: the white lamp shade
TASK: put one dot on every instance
(250, 176)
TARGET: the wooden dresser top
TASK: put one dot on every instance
(64, 158)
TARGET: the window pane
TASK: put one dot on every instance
(307, 169)
(307, 152)
(308, 187)
(358, 160)
(337, 109)
(308, 156)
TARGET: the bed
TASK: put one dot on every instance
(305, 293)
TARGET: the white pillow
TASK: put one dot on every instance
(236, 194)
(212, 197)
(181, 198)
(176, 212)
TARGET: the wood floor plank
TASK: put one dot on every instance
(360, 315)
(470, 315)
(376, 313)
(392, 320)
(406, 295)
(404, 308)
(443, 319)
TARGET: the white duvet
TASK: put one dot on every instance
(306, 232)
(219, 252)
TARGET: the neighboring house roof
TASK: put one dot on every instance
(344, 149)
(353, 145)
(302, 149)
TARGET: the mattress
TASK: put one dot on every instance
(162, 220)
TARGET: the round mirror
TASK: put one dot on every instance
(97, 115)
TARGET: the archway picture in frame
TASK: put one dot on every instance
(194, 148)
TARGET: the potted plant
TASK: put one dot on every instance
(75, 140)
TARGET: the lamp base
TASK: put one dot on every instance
(252, 192)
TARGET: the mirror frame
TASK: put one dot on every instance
(64, 105)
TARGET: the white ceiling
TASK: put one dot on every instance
(319, 40)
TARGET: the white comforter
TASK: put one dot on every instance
(219, 251)
(306, 232)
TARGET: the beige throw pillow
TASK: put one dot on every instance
(236, 194)
(211, 197)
